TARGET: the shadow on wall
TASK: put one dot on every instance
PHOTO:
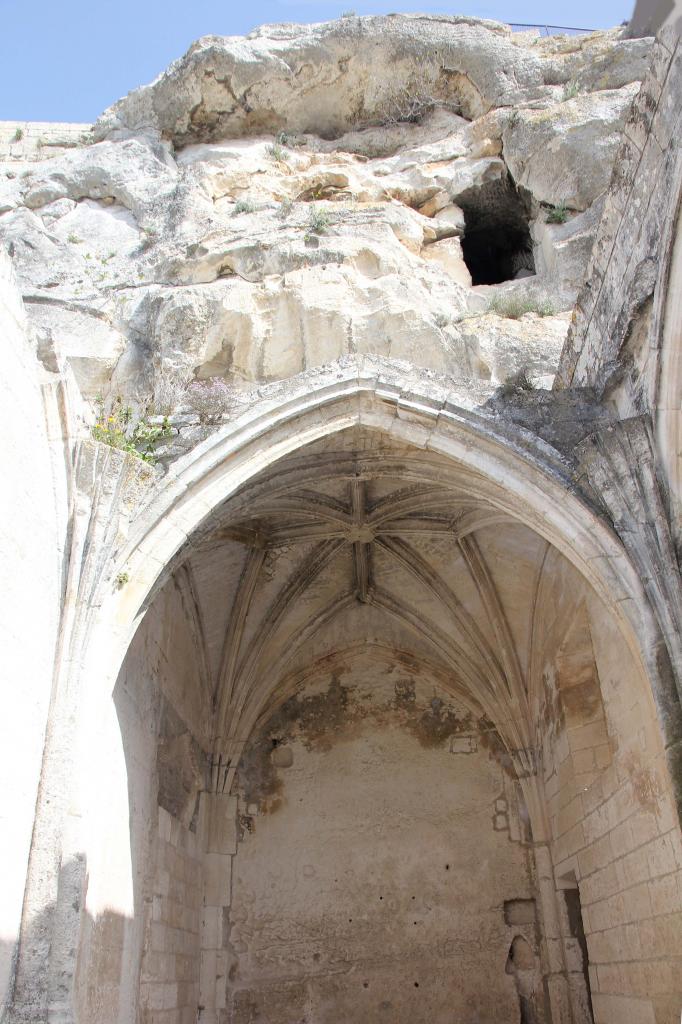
(69, 964)
(46, 980)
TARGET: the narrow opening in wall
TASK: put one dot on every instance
(577, 930)
(496, 244)
(521, 964)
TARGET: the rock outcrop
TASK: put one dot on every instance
(415, 187)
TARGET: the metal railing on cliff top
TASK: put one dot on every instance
(550, 30)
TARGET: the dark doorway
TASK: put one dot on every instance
(496, 244)
(577, 930)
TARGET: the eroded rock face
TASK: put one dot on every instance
(329, 78)
(274, 203)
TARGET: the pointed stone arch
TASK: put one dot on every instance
(140, 533)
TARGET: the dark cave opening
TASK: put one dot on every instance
(496, 244)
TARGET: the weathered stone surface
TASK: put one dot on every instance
(565, 153)
(362, 680)
(331, 77)
(230, 251)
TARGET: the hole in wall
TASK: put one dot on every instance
(577, 930)
(496, 244)
(519, 911)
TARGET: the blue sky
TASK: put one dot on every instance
(68, 60)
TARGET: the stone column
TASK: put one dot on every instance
(219, 823)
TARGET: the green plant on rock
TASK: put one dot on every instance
(74, 239)
(284, 209)
(121, 579)
(515, 306)
(118, 431)
(318, 221)
(571, 89)
(18, 135)
(277, 152)
(558, 214)
(242, 206)
(518, 382)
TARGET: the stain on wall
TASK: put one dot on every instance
(376, 890)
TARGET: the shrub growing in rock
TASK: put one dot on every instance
(515, 306)
(558, 214)
(118, 431)
(242, 206)
(277, 152)
(318, 221)
(517, 382)
(209, 398)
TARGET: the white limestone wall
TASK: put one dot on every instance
(39, 140)
(31, 569)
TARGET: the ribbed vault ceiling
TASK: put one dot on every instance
(357, 544)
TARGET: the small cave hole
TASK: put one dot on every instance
(365, 984)
(416, 984)
(496, 244)
(447, 867)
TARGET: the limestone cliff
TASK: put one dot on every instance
(415, 187)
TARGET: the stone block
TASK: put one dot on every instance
(666, 894)
(616, 1009)
(222, 824)
(217, 875)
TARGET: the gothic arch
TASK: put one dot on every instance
(504, 477)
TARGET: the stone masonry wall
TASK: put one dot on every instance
(39, 140)
(613, 339)
(629, 853)
(613, 823)
(376, 860)
(169, 986)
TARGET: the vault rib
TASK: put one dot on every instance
(362, 562)
(455, 655)
(410, 559)
(432, 526)
(237, 621)
(299, 580)
(362, 550)
(495, 613)
(186, 586)
(410, 500)
(304, 503)
(297, 533)
(257, 699)
(479, 686)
